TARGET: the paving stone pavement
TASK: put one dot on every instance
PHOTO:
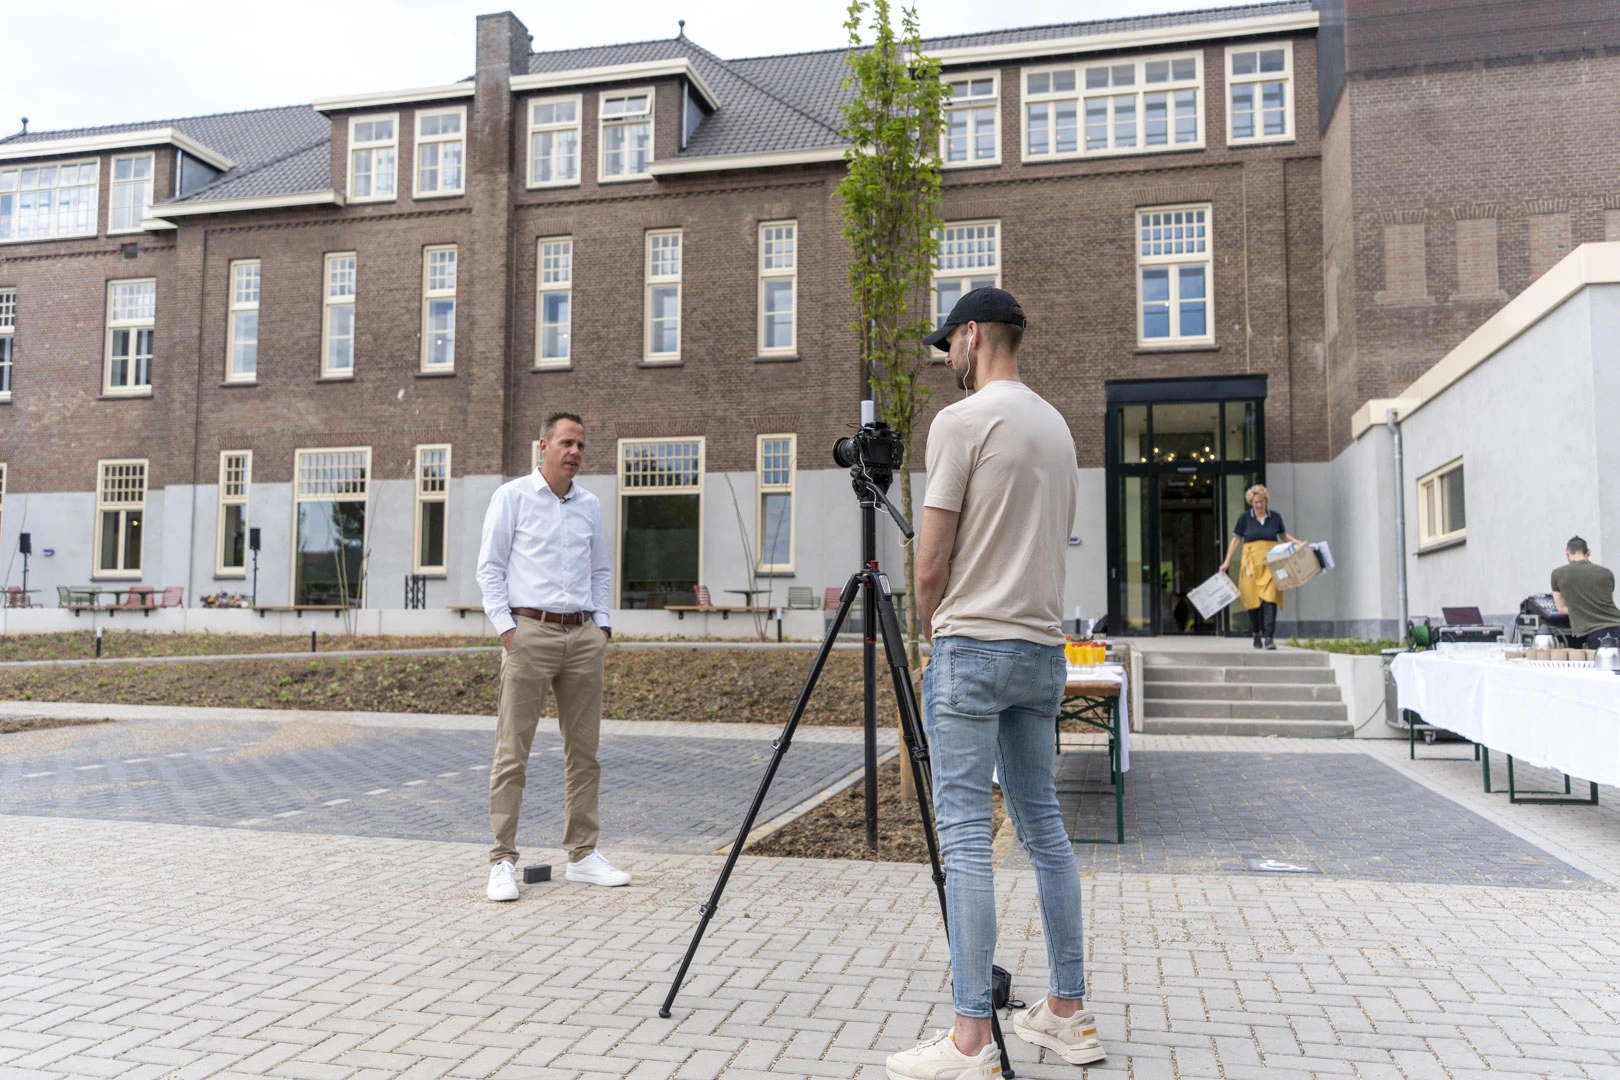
(150, 949)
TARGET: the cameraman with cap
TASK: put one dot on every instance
(1002, 489)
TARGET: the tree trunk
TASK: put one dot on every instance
(908, 564)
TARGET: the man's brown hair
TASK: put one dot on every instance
(1002, 335)
(551, 422)
(1577, 546)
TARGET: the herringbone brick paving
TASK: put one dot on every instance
(144, 949)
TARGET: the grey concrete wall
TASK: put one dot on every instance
(1303, 493)
(1363, 539)
(1525, 424)
(1604, 302)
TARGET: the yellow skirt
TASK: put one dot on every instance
(1255, 582)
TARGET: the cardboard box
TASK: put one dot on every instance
(1292, 565)
(1213, 595)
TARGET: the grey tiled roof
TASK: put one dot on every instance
(766, 103)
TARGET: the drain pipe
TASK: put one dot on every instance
(1400, 522)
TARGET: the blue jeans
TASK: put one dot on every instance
(993, 704)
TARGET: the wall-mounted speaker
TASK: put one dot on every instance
(253, 538)
(25, 543)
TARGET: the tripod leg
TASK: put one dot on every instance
(780, 746)
(921, 770)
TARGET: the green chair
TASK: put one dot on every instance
(801, 598)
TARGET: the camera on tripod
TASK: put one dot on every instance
(873, 449)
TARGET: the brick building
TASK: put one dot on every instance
(340, 324)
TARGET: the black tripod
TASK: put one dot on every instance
(873, 584)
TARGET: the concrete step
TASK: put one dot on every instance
(1186, 674)
(1224, 691)
(1245, 710)
(1248, 657)
(1211, 725)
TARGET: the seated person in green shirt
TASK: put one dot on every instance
(1584, 591)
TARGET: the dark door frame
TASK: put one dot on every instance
(1122, 392)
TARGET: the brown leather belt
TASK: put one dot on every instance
(573, 618)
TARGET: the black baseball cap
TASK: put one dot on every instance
(988, 304)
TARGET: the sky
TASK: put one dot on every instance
(118, 63)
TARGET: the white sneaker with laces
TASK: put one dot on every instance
(593, 869)
(502, 882)
(939, 1059)
(1072, 1038)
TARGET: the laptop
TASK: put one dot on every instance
(1463, 616)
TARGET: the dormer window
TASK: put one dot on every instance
(373, 153)
(131, 192)
(440, 151)
(554, 141)
(42, 201)
(626, 119)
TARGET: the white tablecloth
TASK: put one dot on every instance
(1566, 719)
(1114, 673)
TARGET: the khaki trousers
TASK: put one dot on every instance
(568, 660)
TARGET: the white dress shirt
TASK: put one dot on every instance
(539, 551)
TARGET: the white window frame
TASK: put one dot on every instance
(442, 141)
(299, 496)
(764, 489)
(625, 490)
(1286, 77)
(237, 306)
(970, 105)
(788, 273)
(661, 281)
(576, 126)
(106, 506)
(438, 293)
(86, 212)
(603, 123)
(1432, 501)
(536, 458)
(133, 325)
(552, 281)
(331, 300)
(964, 274)
(229, 498)
(1174, 261)
(8, 340)
(424, 496)
(1140, 88)
(373, 145)
(145, 211)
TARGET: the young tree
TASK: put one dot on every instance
(891, 201)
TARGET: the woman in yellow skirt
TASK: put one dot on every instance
(1257, 531)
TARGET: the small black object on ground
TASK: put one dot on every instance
(533, 875)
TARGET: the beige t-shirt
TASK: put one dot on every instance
(1004, 459)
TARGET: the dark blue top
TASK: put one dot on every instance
(1250, 528)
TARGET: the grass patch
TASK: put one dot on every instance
(81, 644)
(1352, 646)
(730, 685)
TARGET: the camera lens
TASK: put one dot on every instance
(844, 453)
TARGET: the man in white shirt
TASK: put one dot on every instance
(544, 571)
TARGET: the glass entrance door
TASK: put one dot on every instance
(1178, 470)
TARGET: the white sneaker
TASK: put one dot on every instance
(595, 870)
(939, 1059)
(1072, 1038)
(502, 882)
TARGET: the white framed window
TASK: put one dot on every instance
(373, 157)
(1442, 511)
(1174, 276)
(1145, 105)
(660, 521)
(554, 304)
(776, 454)
(131, 316)
(969, 258)
(439, 308)
(131, 192)
(242, 364)
(554, 141)
(42, 201)
(778, 287)
(626, 118)
(970, 135)
(331, 489)
(663, 311)
(441, 152)
(120, 509)
(536, 457)
(8, 331)
(1260, 93)
(339, 272)
(235, 477)
(432, 508)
